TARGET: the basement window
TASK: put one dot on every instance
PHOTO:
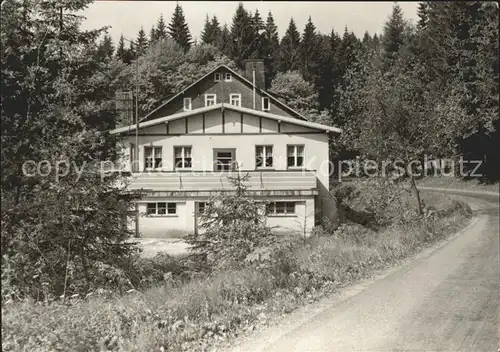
(161, 208)
(280, 208)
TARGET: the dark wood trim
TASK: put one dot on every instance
(167, 129)
(223, 122)
(186, 124)
(137, 216)
(203, 119)
(260, 124)
(241, 123)
(224, 134)
(279, 126)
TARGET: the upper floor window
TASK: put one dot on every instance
(210, 99)
(235, 99)
(161, 208)
(295, 156)
(266, 106)
(187, 104)
(217, 76)
(263, 156)
(227, 77)
(182, 157)
(152, 157)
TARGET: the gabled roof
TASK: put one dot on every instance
(221, 106)
(234, 73)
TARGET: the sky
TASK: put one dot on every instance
(126, 17)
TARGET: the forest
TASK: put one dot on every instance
(429, 88)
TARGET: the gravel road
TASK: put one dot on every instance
(445, 299)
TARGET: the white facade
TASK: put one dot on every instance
(297, 174)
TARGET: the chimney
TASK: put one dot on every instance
(260, 73)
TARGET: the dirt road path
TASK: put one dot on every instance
(446, 299)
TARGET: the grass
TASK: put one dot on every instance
(455, 183)
(193, 315)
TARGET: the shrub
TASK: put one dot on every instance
(232, 226)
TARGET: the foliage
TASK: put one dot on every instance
(232, 226)
(294, 91)
(56, 103)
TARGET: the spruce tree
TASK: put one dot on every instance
(223, 41)
(152, 35)
(161, 29)
(178, 29)
(242, 36)
(106, 48)
(142, 42)
(258, 27)
(121, 51)
(206, 32)
(394, 32)
(310, 51)
(289, 52)
(270, 48)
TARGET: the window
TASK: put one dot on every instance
(182, 157)
(263, 156)
(210, 99)
(161, 208)
(201, 207)
(224, 160)
(152, 157)
(266, 106)
(280, 208)
(235, 99)
(187, 104)
(295, 156)
(217, 77)
(227, 77)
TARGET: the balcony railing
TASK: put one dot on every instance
(300, 180)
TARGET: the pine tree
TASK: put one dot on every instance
(206, 33)
(178, 29)
(161, 29)
(223, 41)
(289, 52)
(216, 30)
(106, 48)
(394, 31)
(310, 51)
(152, 35)
(142, 42)
(422, 10)
(270, 48)
(256, 50)
(242, 36)
(121, 51)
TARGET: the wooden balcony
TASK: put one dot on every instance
(288, 182)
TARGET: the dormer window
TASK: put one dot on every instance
(227, 77)
(235, 99)
(217, 76)
(210, 99)
(187, 104)
(266, 106)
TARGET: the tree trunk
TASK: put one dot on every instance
(417, 194)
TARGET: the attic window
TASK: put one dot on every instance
(265, 104)
(217, 77)
(227, 77)
(187, 104)
(210, 99)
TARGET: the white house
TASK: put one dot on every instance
(221, 125)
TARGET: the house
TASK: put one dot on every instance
(222, 125)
